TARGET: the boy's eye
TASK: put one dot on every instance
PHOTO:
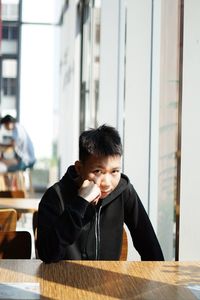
(97, 172)
(115, 171)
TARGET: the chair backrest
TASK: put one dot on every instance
(11, 181)
(8, 219)
(124, 251)
(12, 194)
(15, 245)
(35, 221)
(35, 224)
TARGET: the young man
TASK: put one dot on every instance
(82, 216)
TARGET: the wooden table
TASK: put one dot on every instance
(22, 205)
(105, 280)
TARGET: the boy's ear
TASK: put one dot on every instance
(78, 166)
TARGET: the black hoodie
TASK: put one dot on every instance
(69, 227)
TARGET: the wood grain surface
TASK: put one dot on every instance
(105, 279)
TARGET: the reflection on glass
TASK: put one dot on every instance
(168, 124)
(90, 64)
(10, 10)
(9, 58)
(9, 87)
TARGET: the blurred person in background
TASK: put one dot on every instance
(17, 139)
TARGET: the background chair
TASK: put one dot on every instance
(124, 251)
(15, 245)
(12, 181)
(12, 194)
(35, 224)
(8, 219)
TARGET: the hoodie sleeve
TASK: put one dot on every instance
(141, 229)
(58, 229)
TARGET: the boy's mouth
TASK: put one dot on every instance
(105, 193)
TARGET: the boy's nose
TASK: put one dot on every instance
(105, 180)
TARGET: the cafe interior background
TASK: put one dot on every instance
(67, 65)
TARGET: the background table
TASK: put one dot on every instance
(22, 205)
(105, 280)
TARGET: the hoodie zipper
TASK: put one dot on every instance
(97, 232)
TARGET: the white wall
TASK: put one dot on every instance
(155, 113)
(190, 153)
(137, 99)
(69, 88)
(108, 90)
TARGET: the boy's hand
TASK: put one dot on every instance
(90, 191)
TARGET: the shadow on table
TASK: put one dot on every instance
(110, 283)
(118, 285)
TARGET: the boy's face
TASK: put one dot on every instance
(104, 171)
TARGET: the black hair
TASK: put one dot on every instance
(8, 119)
(102, 141)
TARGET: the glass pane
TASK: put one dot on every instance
(168, 127)
(90, 65)
(41, 11)
(10, 10)
(9, 68)
(10, 32)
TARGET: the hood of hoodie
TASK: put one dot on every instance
(70, 179)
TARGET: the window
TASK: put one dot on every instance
(90, 64)
(168, 124)
(9, 86)
(10, 32)
(9, 68)
(10, 11)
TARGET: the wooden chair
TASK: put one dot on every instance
(35, 224)
(8, 219)
(13, 181)
(124, 251)
(15, 245)
(28, 178)
(13, 194)
(35, 221)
